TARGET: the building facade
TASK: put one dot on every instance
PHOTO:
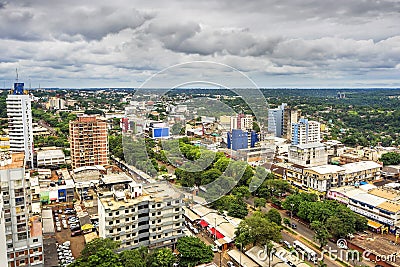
(313, 154)
(305, 132)
(50, 157)
(3, 245)
(322, 178)
(136, 215)
(290, 115)
(22, 232)
(20, 128)
(56, 103)
(88, 141)
(276, 120)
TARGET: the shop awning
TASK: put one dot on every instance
(216, 233)
(220, 242)
(203, 223)
(374, 224)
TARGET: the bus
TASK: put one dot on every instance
(306, 251)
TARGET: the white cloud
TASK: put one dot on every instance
(280, 43)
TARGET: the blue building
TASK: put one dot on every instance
(239, 139)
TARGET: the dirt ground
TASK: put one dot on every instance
(77, 242)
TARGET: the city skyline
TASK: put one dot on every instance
(283, 44)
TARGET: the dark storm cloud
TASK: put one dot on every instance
(67, 22)
(304, 41)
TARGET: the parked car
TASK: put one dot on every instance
(230, 264)
(65, 226)
(294, 226)
(76, 233)
(75, 229)
(58, 229)
(214, 249)
(287, 244)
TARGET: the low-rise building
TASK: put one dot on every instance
(313, 154)
(50, 157)
(137, 215)
(380, 205)
(322, 178)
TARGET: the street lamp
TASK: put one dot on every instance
(291, 211)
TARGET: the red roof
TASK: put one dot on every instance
(215, 232)
(203, 223)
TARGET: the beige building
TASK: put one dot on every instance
(322, 178)
(137, 215)
(312, 154)
(290, 115)
(88, 141)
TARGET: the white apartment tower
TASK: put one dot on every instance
(20, 122)
(305, 132)
(20, 232)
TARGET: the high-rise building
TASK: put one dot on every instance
(21, 231)
(306, 132)
(241, 121)
(138, 215)
(88, 141)
(3, 245)
(20, 122)
(290, 115)
(55, 103)
(275, 120)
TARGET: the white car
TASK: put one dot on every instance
(58, 229)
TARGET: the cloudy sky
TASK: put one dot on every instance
(276, 43)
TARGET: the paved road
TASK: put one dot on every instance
(305, 231)
(48, 127)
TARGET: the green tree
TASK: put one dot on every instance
(286, 221)
(257, 230)
(222, 164)
(390, 158)
(274, 216)
(162, 258)
(321, 233)
(134, 258)
(241, 191)
(210, 176)
(259, 202)
(193, 251)
(96, 244)
(238, 209)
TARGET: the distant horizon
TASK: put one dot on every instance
(203, 88)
